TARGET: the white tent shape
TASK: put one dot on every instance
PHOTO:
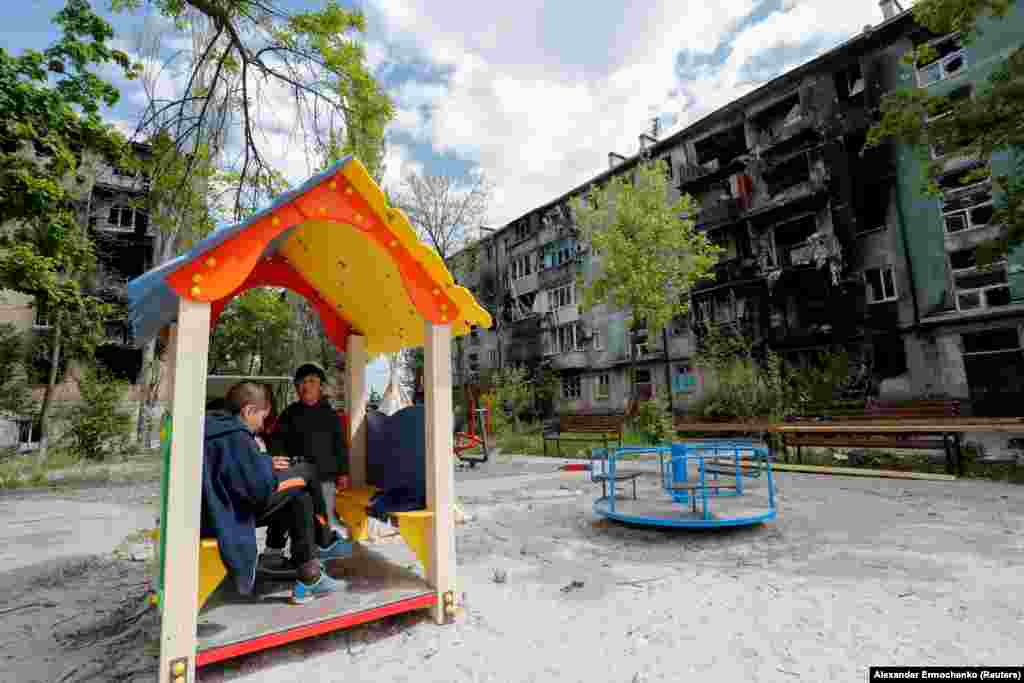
(393, 400)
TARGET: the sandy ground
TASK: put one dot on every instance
(854, 572)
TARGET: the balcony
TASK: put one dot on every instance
(724, 211)
(691, 172)
(573, 360)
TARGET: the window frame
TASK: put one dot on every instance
(886, 298)
(574, 383)
(960, 51)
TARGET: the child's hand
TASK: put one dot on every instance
(281, 462)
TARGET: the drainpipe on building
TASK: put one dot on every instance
(906, 257)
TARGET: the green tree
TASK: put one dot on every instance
(647, 256)
(248, 51)
(510, 394)
(15, 397)
(254, 336)
(988, 123)
(51, 132)
(98, 425)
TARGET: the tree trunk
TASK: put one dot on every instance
(51, 383)
(149, 380)
(668, 371)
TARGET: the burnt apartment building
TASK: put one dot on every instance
(111, 203)
(826, 244)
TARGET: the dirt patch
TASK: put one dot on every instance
(77, 619)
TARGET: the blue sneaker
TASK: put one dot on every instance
(303, 593)
(335, 551)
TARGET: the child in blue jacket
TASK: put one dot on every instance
(241, 493)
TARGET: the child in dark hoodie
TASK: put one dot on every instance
(241, 493)
(308, 433)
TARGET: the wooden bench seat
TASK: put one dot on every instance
(886, 412)
(605, 429)
(352, 506)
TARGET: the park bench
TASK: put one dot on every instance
(603, 428)
(889, 413)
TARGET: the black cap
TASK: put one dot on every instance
(307, 369)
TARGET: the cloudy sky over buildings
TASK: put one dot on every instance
(535, 94)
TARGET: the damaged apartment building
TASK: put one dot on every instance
(825, 244)
(111, 203)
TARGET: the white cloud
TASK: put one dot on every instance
(538, 120)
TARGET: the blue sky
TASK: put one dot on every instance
(535, 94)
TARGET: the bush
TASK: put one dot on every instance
(654, 421)
(97, 426)
(15, 396)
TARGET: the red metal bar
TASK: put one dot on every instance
(218, 654)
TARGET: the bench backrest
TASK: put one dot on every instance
(912, 409)
(611, 424)
(396, 449)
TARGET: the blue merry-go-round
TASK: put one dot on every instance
(704, 484)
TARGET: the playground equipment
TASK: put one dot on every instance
(712, 483)
(334, 241)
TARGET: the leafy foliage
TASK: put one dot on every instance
(258, 50)
(653, 420)
(50, 132)
(746, 385)
(254, 335)
(989, 122)
(97, 425)
(510, 396)
(15, 397)
(650, 255)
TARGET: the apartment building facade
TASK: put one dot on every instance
(110, 201)
(825, 244)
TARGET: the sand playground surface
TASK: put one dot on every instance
(854, 572)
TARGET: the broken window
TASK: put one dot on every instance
(644, 385)
(603, 386)
(571, 388)
(850, 82)
(791, 237)
(881, 284)
(127, 219)
(978, 288)
(874, 206)
(771, 122)
(943, 108)
(787, 174)
(720, 148)
(992, 341)
(967, 207)
(947, 59)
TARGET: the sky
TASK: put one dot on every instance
(535, 94)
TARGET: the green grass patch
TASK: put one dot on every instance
(62, 467)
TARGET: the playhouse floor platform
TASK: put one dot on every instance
(382, 579)
(655, 508)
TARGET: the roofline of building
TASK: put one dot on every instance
(723, 111)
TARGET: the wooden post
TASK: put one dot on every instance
(184, 493)
(440, 468)
(355, 391)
